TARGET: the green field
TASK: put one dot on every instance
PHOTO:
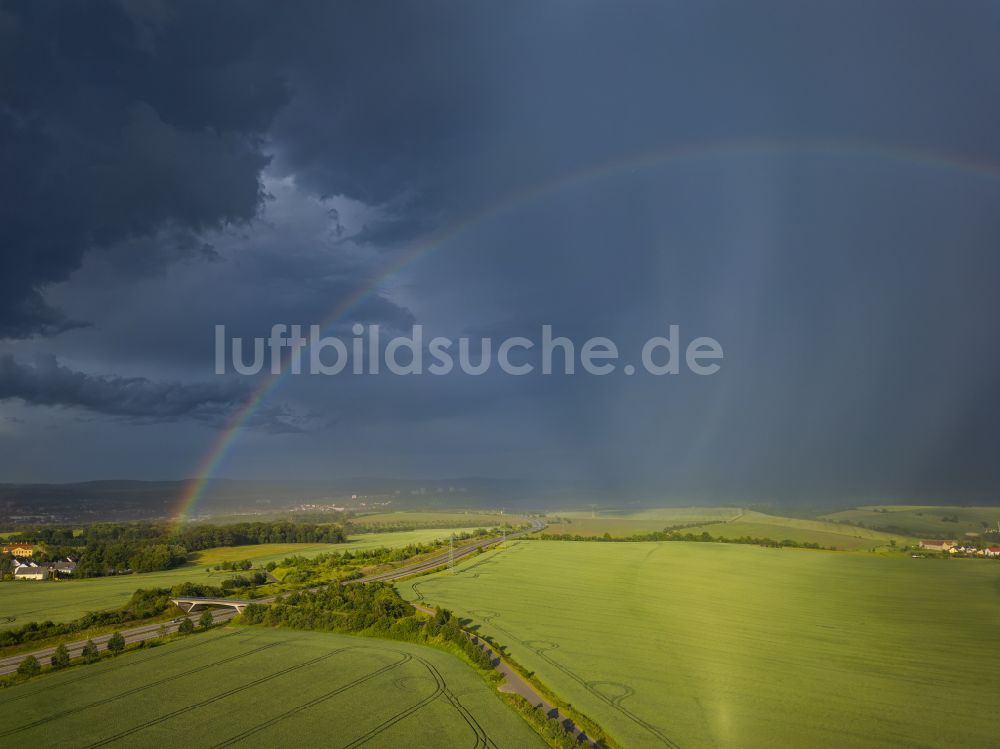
(257, 687)
(929, 520)
(619, 524)
(822, 532)
(470, 518)
(732, 646)
(28, 600)
(729, 522)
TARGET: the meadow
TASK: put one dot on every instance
(619, 523)
(741, 647)
(823, 532)
(27, 600)
(255, 687)
(427, 519)
(918, 520)
(728, 522)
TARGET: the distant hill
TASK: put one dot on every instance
(146, 500)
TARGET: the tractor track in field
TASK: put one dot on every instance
(315, 701)
(541, 648)
(135, 690)
(215, 698)
(483, 739)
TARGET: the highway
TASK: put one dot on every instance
(152, 631)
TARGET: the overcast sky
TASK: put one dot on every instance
(816, 186)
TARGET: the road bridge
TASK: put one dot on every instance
(196, 603)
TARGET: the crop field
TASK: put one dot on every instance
(255, 687)
(29, 600)
(822, 532)
(619, 524)
(389, 520)
(918, 520)
(694, 645)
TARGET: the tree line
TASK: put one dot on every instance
(673, 535)
(115, 548)
(145, 603)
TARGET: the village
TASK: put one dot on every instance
(25, 568)
(951, 547)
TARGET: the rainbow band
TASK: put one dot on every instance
(436, 240)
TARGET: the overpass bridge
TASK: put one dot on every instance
(196, 603)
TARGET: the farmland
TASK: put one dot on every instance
(822, 532)
(453, 519)
(26, 601)
(734, 646)
(937, 522)
(257, 687)
(618, 524)
(728, 522)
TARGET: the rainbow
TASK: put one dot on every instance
(221, 446)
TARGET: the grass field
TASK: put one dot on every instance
(822, 532)
(257, 687)
(25, 601)
(389, 520)
(918, 520)
(741, 647)
(620, 524)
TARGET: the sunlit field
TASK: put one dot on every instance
(919, 520)
(471, 518)
(742, 647)
(619, 523)
(258, 687)
(30, 600)
(822, 532)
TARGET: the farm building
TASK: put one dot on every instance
(935, 545)
(992, 551)
(19, 550)
(26, 572)
(65, 567)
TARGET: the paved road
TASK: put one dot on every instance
(151, 631)
(136, 634)
(514, 683)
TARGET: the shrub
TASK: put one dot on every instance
(60, 658)
(186, 626)
(89, 652)
(29, 667)
(116, 643)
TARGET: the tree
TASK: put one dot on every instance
(186, 626)
(89, 652)
(29, 667)
(206, 620)
(116, 643)
(60, 658)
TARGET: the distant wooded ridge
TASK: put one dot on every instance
(148, 500)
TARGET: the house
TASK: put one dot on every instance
(935, 545)
(25, 572)
(66, 567)
(992, 551)
(19, 550)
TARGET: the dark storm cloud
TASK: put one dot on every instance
(115, 125)
(845, 289)
(48, 383)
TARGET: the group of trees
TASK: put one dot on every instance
(307, 570)
(374, 607)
